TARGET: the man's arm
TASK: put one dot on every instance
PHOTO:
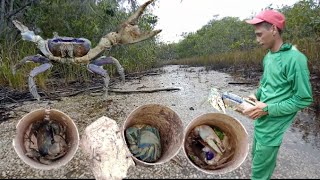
(299, 76)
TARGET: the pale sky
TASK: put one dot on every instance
(178, 16)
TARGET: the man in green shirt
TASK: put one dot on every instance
(284, 90)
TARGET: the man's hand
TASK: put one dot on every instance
(256, 111)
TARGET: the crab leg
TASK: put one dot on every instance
(33, 73)
(96, 66)
(45, 65)
(36, 58)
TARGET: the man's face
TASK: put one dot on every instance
(264, 36)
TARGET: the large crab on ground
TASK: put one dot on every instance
(77, 50)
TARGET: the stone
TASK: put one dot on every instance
(103, 144)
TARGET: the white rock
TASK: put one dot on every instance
(103, 143)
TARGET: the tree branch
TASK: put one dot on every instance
(10, 13)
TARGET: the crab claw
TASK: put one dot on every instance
(129, 32)
(216, 101)
(20, 26)
(25, 32)
(135, 16)
(208, 135)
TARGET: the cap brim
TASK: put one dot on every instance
(254, 21)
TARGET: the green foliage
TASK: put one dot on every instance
(167, 51)
(88, 19)
(217, 36)
(74, 18)
(219, 133)
(8, 52)
(303, 19)
(137, 57)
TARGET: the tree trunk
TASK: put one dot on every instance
(11, 6)
(2, 12)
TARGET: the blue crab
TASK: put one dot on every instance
(144, 142)
(78, 50)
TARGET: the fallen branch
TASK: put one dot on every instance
(239, 83)
(144, 90)
(100, 88)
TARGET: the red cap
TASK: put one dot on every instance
(270, 16)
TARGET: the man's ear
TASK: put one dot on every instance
(274, 29)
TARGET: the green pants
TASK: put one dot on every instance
(263, 160)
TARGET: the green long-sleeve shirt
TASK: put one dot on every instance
(285, 88)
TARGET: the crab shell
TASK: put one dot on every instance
(69, 46)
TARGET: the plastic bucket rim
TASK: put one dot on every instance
(136, 160)
(35, 164)
(218, 171)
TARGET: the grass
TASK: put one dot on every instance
(12, 52)
(240, 59)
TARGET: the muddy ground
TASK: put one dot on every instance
(298, 156)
